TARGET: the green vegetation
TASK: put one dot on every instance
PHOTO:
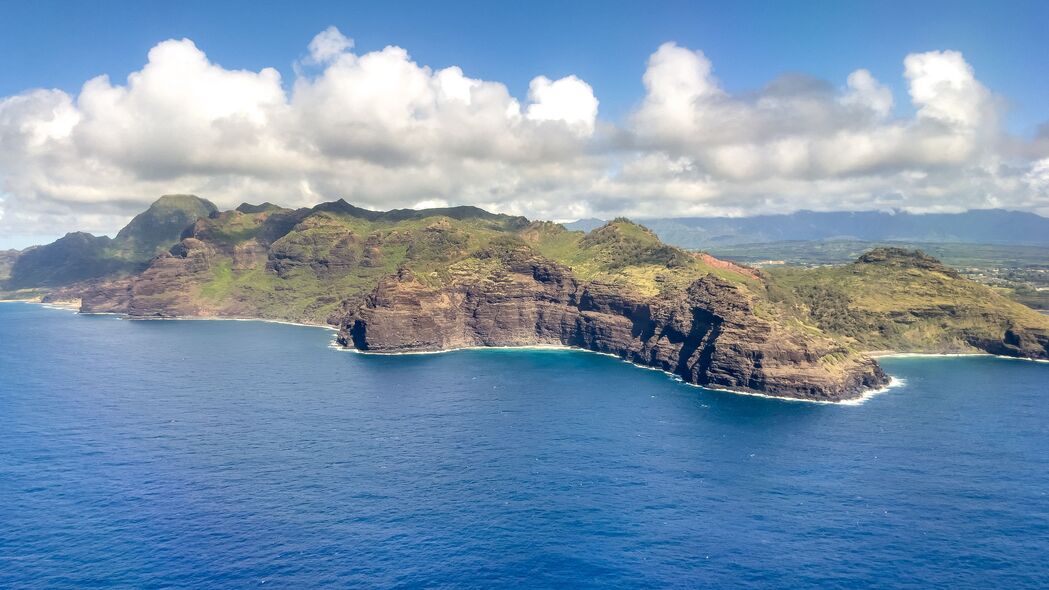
(895, 299)
(74, 257)
(157, 228)
(81, 256)
(628, 254)
(1020, 272)
(7, 260)
(308, 264)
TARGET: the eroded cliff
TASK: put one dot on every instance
(708, 334)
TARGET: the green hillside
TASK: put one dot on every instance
(306, 264)
(160, 226)
(81, 256)
(904, 300)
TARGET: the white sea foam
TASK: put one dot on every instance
(1017, 358)
(336, 346)
(60, 307)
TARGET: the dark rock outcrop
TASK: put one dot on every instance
(903, 258)
(1016, 342)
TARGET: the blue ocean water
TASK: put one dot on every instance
(203, 454)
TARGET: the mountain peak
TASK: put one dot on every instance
(261, 208)
(181, 200)
(162, 224)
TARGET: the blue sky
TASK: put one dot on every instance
(554, 110)
(62, 44)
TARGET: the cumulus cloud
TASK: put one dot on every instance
(568, 100)
(866, 93)
(800, 143)
(383, 131)
(328, 44)
(376, 128)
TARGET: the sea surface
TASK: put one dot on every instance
(210, 454)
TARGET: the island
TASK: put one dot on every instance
(406, 280)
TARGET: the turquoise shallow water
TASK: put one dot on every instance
(239, 454)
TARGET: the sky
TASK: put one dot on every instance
(556, 110)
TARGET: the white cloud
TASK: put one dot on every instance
(867, 93)
(798, 143)
(1037, 180)
(329, 44)
(944, 88)
(383, 131)
(568, 100)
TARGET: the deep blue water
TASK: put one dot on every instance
(239, 454)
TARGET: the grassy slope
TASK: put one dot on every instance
(629, 255)
(306, 265)
(900, 304)
(7, 260)
(332, 256)
(157, 228)
(1019, 271)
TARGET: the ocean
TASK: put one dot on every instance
(220, 454)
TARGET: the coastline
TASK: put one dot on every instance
(218, 319)
(334, 345)
(63, 305)
(894, 382)
(75, 308)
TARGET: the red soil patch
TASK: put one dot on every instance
(725, 265)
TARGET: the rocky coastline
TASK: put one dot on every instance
(408, 281)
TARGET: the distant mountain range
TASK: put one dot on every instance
(985, 226)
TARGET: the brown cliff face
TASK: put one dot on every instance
(1017, 341)
(708, 335)
(165, 289)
